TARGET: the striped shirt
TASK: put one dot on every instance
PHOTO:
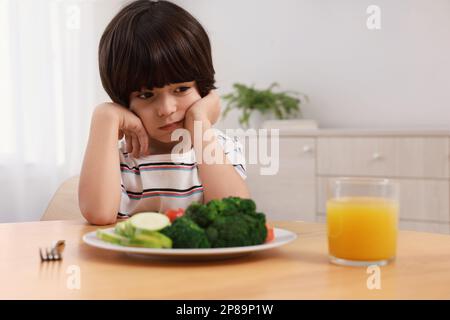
(165, 181)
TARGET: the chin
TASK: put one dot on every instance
(166, 139)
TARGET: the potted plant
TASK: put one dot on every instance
(263, 103)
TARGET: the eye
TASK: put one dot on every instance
(145, 95)
(182, 89)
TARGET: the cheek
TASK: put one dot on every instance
(148, 118)
(189, 101)
(150, 122)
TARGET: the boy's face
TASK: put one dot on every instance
(162, 110)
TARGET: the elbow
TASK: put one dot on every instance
(101, 221)
(99, 217)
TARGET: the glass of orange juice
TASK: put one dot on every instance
(362, 219)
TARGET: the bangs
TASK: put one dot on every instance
(158, 60)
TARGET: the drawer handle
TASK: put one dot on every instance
(307, 149)
(376, 156)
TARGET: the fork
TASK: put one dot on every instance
(54, 253)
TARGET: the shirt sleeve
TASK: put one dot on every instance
(124, 202)
(126, 205)
(234, 151)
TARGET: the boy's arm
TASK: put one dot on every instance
(213, 111)
(210, 107)
(99, 187)
(219, 180)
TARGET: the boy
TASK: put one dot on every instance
(155, 64)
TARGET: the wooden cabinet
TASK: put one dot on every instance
(419, 161)
(355, 156)
(377, 156)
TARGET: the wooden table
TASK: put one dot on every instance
(299, 270)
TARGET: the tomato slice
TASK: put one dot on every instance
(172, 214)
(270, 233)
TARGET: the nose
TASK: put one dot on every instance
(167, 106)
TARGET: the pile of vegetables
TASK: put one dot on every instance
(141, 230)
(230, 222)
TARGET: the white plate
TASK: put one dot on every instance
(282, 237)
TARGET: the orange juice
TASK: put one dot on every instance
(362, 228)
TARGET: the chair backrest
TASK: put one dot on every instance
(64, 204)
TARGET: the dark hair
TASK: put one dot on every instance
(152, 44)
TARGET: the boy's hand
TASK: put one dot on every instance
(130, 126)
(207, 109)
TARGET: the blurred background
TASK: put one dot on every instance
(394, 77)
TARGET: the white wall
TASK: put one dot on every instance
(398, 76)
(49, 85)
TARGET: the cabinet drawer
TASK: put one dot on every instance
(356, 156)
(394, 157)
(289, 194)
(420, 200)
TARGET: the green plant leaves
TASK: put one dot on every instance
(283, 105)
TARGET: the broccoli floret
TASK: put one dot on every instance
(230, 222)
(201, 214)
(235, 230)
(216, 207)
(185, 233)
(232, 205)
(247, 206)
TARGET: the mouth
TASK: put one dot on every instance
(172, 126)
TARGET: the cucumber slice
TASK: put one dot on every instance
(148, 222)
(120, 228)
(163, 240)
(139, 231)
(154, 240)
(110, 237)
(124, 229)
